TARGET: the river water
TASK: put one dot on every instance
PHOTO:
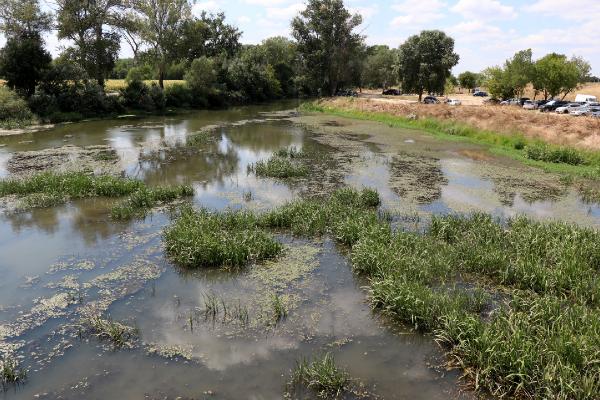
(58, 264)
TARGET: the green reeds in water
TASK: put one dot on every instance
(321, 375)
(142, 200)
(11, 373)
(120, 335)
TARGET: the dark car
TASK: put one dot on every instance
(540, 103)
(480, 94)
(552, 105)
(522, 100)
(430, 100)
(391, 92)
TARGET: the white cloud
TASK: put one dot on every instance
(285, 13)
(418, 12)
(484, 9)
(578, 10)
(209, 6)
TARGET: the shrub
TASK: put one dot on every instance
(13, 109)
(140, 73)
(178, 95)
(139, 96)
(559, 155)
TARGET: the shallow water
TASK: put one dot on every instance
(59, 264)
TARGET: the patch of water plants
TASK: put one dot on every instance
(321, 375)
(50, 189)
(538, 338)
(11, 373)
(283, 164)
(119, 334)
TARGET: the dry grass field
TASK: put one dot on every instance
(582, 132)
(117, 84)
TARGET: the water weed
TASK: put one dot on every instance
(120, 335)
(11, 373)
(140, 201)
(278, 167)
(321, 375)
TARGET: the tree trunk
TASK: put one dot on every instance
(99, 56)
(161, 77)
(420, 95)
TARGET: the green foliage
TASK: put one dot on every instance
(139, 96)
(23, 61)
(468, 80)
(251, 78)
(323, 376)
(327, 43)
(179, 95)
(379, 70)
(425, 61)
(201, 77)
(142, 200)
(72, 184)
(10, 373)
(203, 239)
(23, 18)
(565, 155)
(14, 111)
(140, 73)
(554, 74)
(519, 71)
(281, 168)
(120, 335)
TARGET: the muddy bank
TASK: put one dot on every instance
(558, 129)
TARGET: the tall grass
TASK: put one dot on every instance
(11, 373)
(540, 339)
(140, 201)
(204, 239)
(323, 376)
(278, 167)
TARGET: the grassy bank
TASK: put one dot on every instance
(549, 157)
(516, 303)
(50, 189)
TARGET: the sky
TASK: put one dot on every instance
(486, 32)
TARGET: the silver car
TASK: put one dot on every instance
(567, 108)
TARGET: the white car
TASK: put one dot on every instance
(579, 111)
(568, 108)
(453, 102)
(529, 105)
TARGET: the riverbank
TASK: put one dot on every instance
(548, 153)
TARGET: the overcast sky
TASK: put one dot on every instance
(486, 31)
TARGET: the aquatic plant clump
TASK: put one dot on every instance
(11, 373)
(70, 184)
(117, 333)
(278, 167)
(204, 239)
(323, 376)
(138, 204)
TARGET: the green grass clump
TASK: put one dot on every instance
(70, 184)
(117, 333)
(558, 155)
(323, 376)
(203, 239)
(10, 373)
(140, 201)
(279, 308)
(280, 168)
(200, 138)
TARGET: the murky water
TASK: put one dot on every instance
(60, 264)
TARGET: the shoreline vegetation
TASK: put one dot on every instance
(49, 189)
(535, 152)
(514, 303)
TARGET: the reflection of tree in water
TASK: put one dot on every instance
(44, 219)
(91, 220)
(266, 136)
(182, 164)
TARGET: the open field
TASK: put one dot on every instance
(117, 84)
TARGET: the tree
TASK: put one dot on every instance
(84, 23)
(326, 42)
(20, 18)
(161, 25)
(201, 76)
(23, 62)
(208, 36)
(425, 61)
(497, 82)
(555, 74)
(280, 53)
(468, 80)
(379, 67)
(520, 71)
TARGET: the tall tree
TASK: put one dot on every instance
(468, 80)
(162, 23)
(208, 36)
(425, 61)
(520, 71)
(379, 67)
(555, 74)
(92, 26)
(23, 60)
(326, 41)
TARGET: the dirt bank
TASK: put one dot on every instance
(583, 132)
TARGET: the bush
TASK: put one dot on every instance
(14, 111)
(139, 96)
(178, 95)
(558, 155)
(140, 73)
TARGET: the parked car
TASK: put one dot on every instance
(567, 108)
(480, 94)
(453, 102)
(552, 105)
(595, 114)
(582, 98)
(430, 100)
(491, 101)
(578, 111)
(522, 100)
(529, 105)
(510, 102)
(539, 103)
(592, 112)
(391, 92)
